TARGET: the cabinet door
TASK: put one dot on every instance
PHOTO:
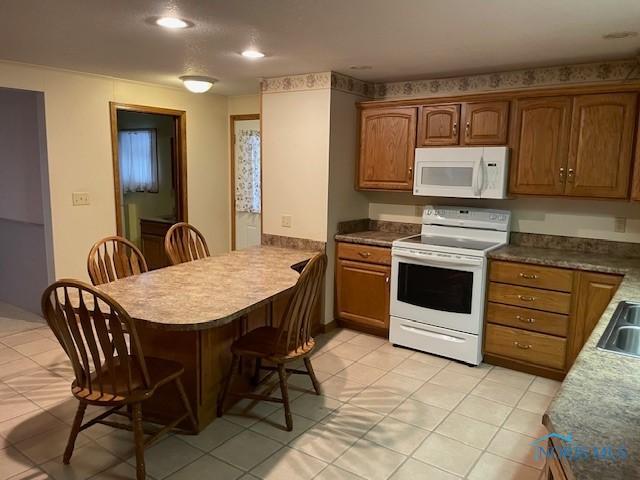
(540, 145)
(439, 125)
(387, 148)
(594, 292)
(153, 251)
(485, 123)
(602, 129)
(363, 293)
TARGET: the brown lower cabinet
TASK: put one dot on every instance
(538, 318)
(363, 276)
(152, 233)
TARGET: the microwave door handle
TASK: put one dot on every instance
(477, 172)
(481, 169)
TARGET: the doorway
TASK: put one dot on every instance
(246, 176)
(149, 165)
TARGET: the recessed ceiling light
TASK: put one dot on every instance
(360, 67)
(173, 22)
(197, 84)
(251, 53)
(618, 35)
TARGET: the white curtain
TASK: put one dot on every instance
(248, 171)
(138, 160)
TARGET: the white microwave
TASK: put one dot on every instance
(462, 172)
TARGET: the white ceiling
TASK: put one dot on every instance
(400, 39)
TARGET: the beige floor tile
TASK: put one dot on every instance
(246, 412)
(52, 394)
(370, 460)
(327, 362)
(545, 386)
(323, 442)
(498, 392)
(16, 367)
(369, 341)
(447, 454)
(314, 407)
(419, 414)
(438, 396)
(352, 420)
(121, 471)
(274, 427)
(455, 381)
(512, 378)
(341, 334)
(350, 351)
(12, 462)
(37, 346)
(289, 464)
(167, 456)
(207, 467)
(412, 469)
(341, 388)
(526, 423)
(415, 369)
(6, 391)
(392, 350)
(398, 384)
(479, 371)
(33, 379)
(119, 442)
(467, 430)
(8, 355)
(362, 374)
(493, 467)
(303, 384)
(22, 337)
(48, 445)
(484, 410)
(516, 447)
(381, 360)
(246, 450)
(31, 474)
(397, 436)
(377, 400)
(430, 359)
(334, 473)
(85, 463)
(28, 425)
(15, 406)
(534, 402)
(50, 358)
(213, 436)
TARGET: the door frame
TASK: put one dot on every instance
(180, 117)
(232, 142)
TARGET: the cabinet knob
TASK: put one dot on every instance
(528, 276)
(467, 126)
(455, 128)
(562, 174)
(386, 279)
(523, 346)
(571, 174)
(526, 298)
(365, 254)
(525, 319)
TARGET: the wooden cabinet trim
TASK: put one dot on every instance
(533, 298)
(529, 275)
(364, 253)
(527, 319)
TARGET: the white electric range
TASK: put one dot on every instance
(438, 281)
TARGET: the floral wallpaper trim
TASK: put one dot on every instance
(527, 78)
(318, 81)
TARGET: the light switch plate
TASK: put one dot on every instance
(286, 221)
(80, 198)
(620, 224)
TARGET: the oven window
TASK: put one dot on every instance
(441, 289)
(447, 176)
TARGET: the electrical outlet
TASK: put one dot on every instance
(620, 224)
(80, 198)
(286, 221)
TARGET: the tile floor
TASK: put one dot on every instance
(386, 412)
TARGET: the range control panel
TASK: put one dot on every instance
(467, 217)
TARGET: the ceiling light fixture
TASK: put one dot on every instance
(251, 53)
(173, 23)
(619, 35)
(197, 84)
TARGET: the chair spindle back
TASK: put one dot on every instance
(184, 243)
(113, 258)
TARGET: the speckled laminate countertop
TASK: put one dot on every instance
(209, 292)
(599, 400)
(371, 237)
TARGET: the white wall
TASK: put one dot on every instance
(295, 167)
(79, 152)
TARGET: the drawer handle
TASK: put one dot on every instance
(526, 298)
(365, 254)
(529, 276)
(525, 320)
(523, 346)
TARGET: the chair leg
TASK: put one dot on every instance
(312, 374)
(187, 405)
(75, 429)
(138, 440)
(282, 373)
(255, 380)
(227, 382)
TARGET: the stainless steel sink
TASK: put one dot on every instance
(623, 332)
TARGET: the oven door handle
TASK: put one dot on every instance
(428, 260)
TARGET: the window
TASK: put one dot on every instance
(138, 161)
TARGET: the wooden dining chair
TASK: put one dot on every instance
(284, 344)
(184, 243)
(110, 369)
(113, 258)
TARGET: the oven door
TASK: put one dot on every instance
(445, 290)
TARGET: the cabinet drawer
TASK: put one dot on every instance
(535, 298)
(364, 253)
(527, 319)
(532, 276)
(536, 348)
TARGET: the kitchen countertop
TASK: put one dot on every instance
(371, 237)
(209, 292)
(598, 403)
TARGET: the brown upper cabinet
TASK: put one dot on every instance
(484, 123)
(387, 148)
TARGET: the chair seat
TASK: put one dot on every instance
(160, 372)
(261, 342)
